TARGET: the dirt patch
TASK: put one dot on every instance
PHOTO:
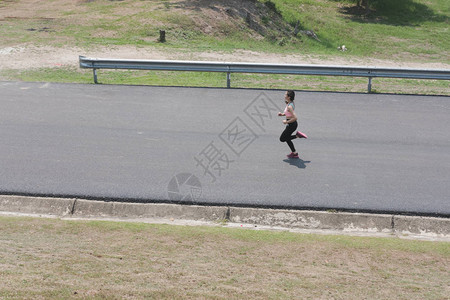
(34, 9)
(29, 56)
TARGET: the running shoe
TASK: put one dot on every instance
(292, 155)
(301, 135)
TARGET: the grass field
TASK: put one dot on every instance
(60, 259)
(414, 31)
(404, 29)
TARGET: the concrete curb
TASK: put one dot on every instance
(289, 219)
(87, 208)
(36, 205)
(422, 225)
(313, 219)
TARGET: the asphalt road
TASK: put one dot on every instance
(383, 153)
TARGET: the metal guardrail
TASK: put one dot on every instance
(235, 67)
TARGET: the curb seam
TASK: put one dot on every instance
(72, 210)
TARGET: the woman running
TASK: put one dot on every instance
(291, 124)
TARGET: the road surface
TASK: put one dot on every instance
(365, 152)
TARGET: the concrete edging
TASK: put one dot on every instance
(291, 219)
(88, 208)
(36, 205)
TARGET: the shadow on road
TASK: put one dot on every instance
(300, 163)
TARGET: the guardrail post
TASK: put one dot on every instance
(369, 86)
(228, 80)
(95, 76)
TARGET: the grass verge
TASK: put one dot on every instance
(204, 79)
(54, 259)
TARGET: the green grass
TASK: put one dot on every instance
(393, 28)
(204, 79)
(266, 236)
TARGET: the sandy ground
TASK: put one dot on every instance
(29, 56)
